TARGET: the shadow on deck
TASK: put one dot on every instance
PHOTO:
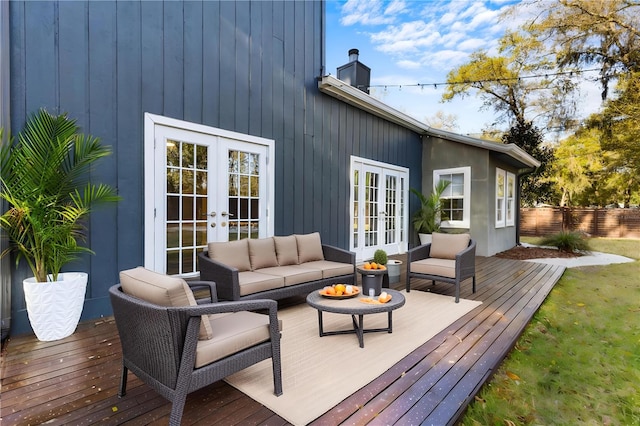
(75, 380)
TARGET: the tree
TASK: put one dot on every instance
(505, 83)
(537, 187)
(605, 33)
(578, 167)
(619, 127)
(442, 120)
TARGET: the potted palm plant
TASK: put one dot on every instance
(427, 219)
(44, 179)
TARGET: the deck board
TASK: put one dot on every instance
(75, 380)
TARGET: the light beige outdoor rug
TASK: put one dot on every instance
(319, 372)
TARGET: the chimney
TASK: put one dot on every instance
(355, 73)
(353, 55)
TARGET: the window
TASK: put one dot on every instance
(456, 200)
(505, 198)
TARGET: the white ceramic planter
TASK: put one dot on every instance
(393, 267)
(54, 308)
(425, 238)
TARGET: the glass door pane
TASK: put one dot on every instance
(390, 210)
(371, 195)
(186, 205)
(244, 195)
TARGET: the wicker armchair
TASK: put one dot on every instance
(170, 349)
(450, 258)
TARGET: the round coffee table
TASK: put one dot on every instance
(354, 307)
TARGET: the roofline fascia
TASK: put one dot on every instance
(509, 149)
(356, 97)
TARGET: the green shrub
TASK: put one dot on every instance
(567, 241)
(380, 257)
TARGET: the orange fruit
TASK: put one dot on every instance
(340, 288)
(384, 297)
(374, 265)
(367, 265)
(330, 291)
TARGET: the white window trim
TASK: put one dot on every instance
(510, 220)
(357, 163)
(150, 165)
(501, 221)
(466, 208)
(509, 183)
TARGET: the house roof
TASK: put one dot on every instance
(353, 96)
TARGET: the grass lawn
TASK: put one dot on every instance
(578, 361)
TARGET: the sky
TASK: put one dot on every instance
(408, 42)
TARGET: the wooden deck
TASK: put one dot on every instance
(75, 380)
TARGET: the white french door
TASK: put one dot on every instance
(202, 185)
(378, 207)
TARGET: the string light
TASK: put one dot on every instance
(496, 80)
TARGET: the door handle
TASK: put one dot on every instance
(225, 214)
(212, 214)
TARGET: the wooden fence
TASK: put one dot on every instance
(612, 223)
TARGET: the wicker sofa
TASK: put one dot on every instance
(275, 267)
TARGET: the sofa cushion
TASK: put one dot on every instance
(435, 266)
(446, 246)
(231, 253)
(262, 253)
(286, 250)
(293, 274)
(254, 282)
(329, 268)
(309, 247)
(232, 333)
(161, 289)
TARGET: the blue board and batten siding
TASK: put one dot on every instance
(248, 67)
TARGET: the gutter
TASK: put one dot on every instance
(340, 90)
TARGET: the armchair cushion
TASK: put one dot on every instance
(262, 253)
(446, 246)
(286, 250)
(435, 266)
(162, 290)
(232, 253)
(309, 247)
(232, 333)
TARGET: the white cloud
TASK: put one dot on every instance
(485, 17)
(447, 59)
(371, 12)
(411, 65)
(452, 39)
(448, 18)
(396, 7)
(474, 44)
(409, 37)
